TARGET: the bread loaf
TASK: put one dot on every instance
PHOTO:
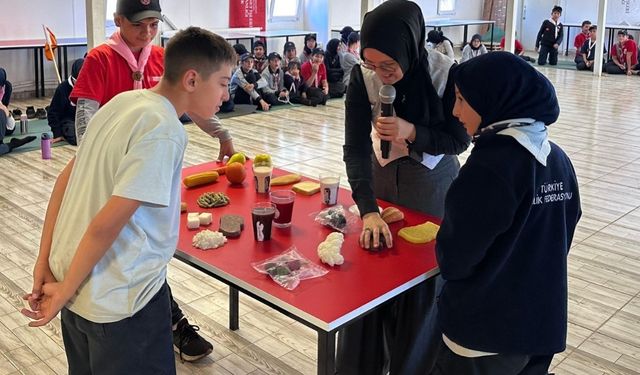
(391, 215)
(287, 179)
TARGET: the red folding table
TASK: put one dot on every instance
(326, 304)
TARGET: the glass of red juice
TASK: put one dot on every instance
(283, 200)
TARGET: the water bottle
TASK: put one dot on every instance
(45, 145)
(24, 124)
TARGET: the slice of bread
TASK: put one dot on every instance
(306, 187)
(422, 233)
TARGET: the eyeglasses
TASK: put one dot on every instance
(385, 67)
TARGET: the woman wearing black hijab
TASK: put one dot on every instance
(425, 137)
(441, 43)
(334, 69)
(475, 48)
(509, 221)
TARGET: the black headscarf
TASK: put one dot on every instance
(3, 76)
(332, 48)
(501, 86)
(435, 37)
(416, 99)
(406, 43)
(475, 37)
(332, 61)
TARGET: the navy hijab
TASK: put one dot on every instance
(501, 86)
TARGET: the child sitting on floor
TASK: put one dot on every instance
(274, 75)
(297, 87)
(251, 91)
(62, 113)
(473, 49)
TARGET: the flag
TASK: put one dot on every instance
(50, 44)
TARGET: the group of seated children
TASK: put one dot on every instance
(267, 79)
(624, 53)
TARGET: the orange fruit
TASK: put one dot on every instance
(236, 173)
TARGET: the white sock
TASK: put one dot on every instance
(11, 123)
(175, 326)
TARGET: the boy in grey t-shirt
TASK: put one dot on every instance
(109, 232)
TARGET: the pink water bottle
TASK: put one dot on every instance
(45, 145)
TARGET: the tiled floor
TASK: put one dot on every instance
(599, 127)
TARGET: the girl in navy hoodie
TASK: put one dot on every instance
(508, 224)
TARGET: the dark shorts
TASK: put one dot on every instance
(141, 344)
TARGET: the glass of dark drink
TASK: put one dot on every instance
(283, 200)
(262, 215)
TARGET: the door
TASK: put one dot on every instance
(533, 13)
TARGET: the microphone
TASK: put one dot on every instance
(387, 95)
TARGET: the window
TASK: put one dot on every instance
(446, 6)
(109, 25)
(284, 10)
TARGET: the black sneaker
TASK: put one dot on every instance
(16, 114)
(31, 112)
(188, 343)
(41, 114)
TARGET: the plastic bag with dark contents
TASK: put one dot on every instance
(337, 218)
(289, 268)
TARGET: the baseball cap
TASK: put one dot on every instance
(274, 55)
(137, 10)
(317, 51)
(246, 56)
(289, 46)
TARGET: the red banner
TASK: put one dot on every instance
(247, 13)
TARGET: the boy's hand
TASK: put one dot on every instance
(47, 306)
(556, 45)
(315, 67)
(41, 275)
(226, 149)
(264, 105)
(57, 139)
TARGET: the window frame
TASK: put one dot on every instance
(273, 18)
(442, 11)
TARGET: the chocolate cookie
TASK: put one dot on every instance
(231, 225)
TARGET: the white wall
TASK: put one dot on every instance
(203, 13)
(23, 20)
(344, 13)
